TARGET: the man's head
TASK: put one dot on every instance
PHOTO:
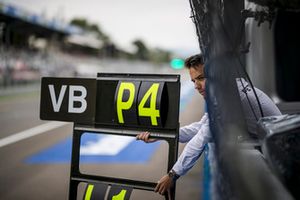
(195, 64)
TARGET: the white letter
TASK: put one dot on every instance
(57, 104)
(80, 99)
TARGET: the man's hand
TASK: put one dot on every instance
(145, 137)
(164, 185)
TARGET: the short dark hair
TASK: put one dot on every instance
(194, 61)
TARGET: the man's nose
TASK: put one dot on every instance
(196, 85)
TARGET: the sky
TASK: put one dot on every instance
(159, 23)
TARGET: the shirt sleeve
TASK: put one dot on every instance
(250, 105)
(186, 133)
(193, 150)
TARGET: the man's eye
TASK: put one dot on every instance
(200, 78)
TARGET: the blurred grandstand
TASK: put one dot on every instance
(32, 46)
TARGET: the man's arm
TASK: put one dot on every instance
(186, 133)
(187, 159)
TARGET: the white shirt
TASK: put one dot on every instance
(198, 134)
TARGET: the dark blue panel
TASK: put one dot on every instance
(134, 152)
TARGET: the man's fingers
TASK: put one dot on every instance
(138, 136)
(162, 190)
(156, 189)
(147, 135)
(169, 194)
(143, 136)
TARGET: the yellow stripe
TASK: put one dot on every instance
(120, 196)
(88, 193)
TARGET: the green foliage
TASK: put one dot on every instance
(155, 55)
(160, 55)
(109, 49)
(142, 52)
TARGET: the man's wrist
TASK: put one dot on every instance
(172, 174)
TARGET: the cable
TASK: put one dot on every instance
(243, 67)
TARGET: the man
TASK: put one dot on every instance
(197, 134)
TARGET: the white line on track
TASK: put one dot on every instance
(30, 132)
